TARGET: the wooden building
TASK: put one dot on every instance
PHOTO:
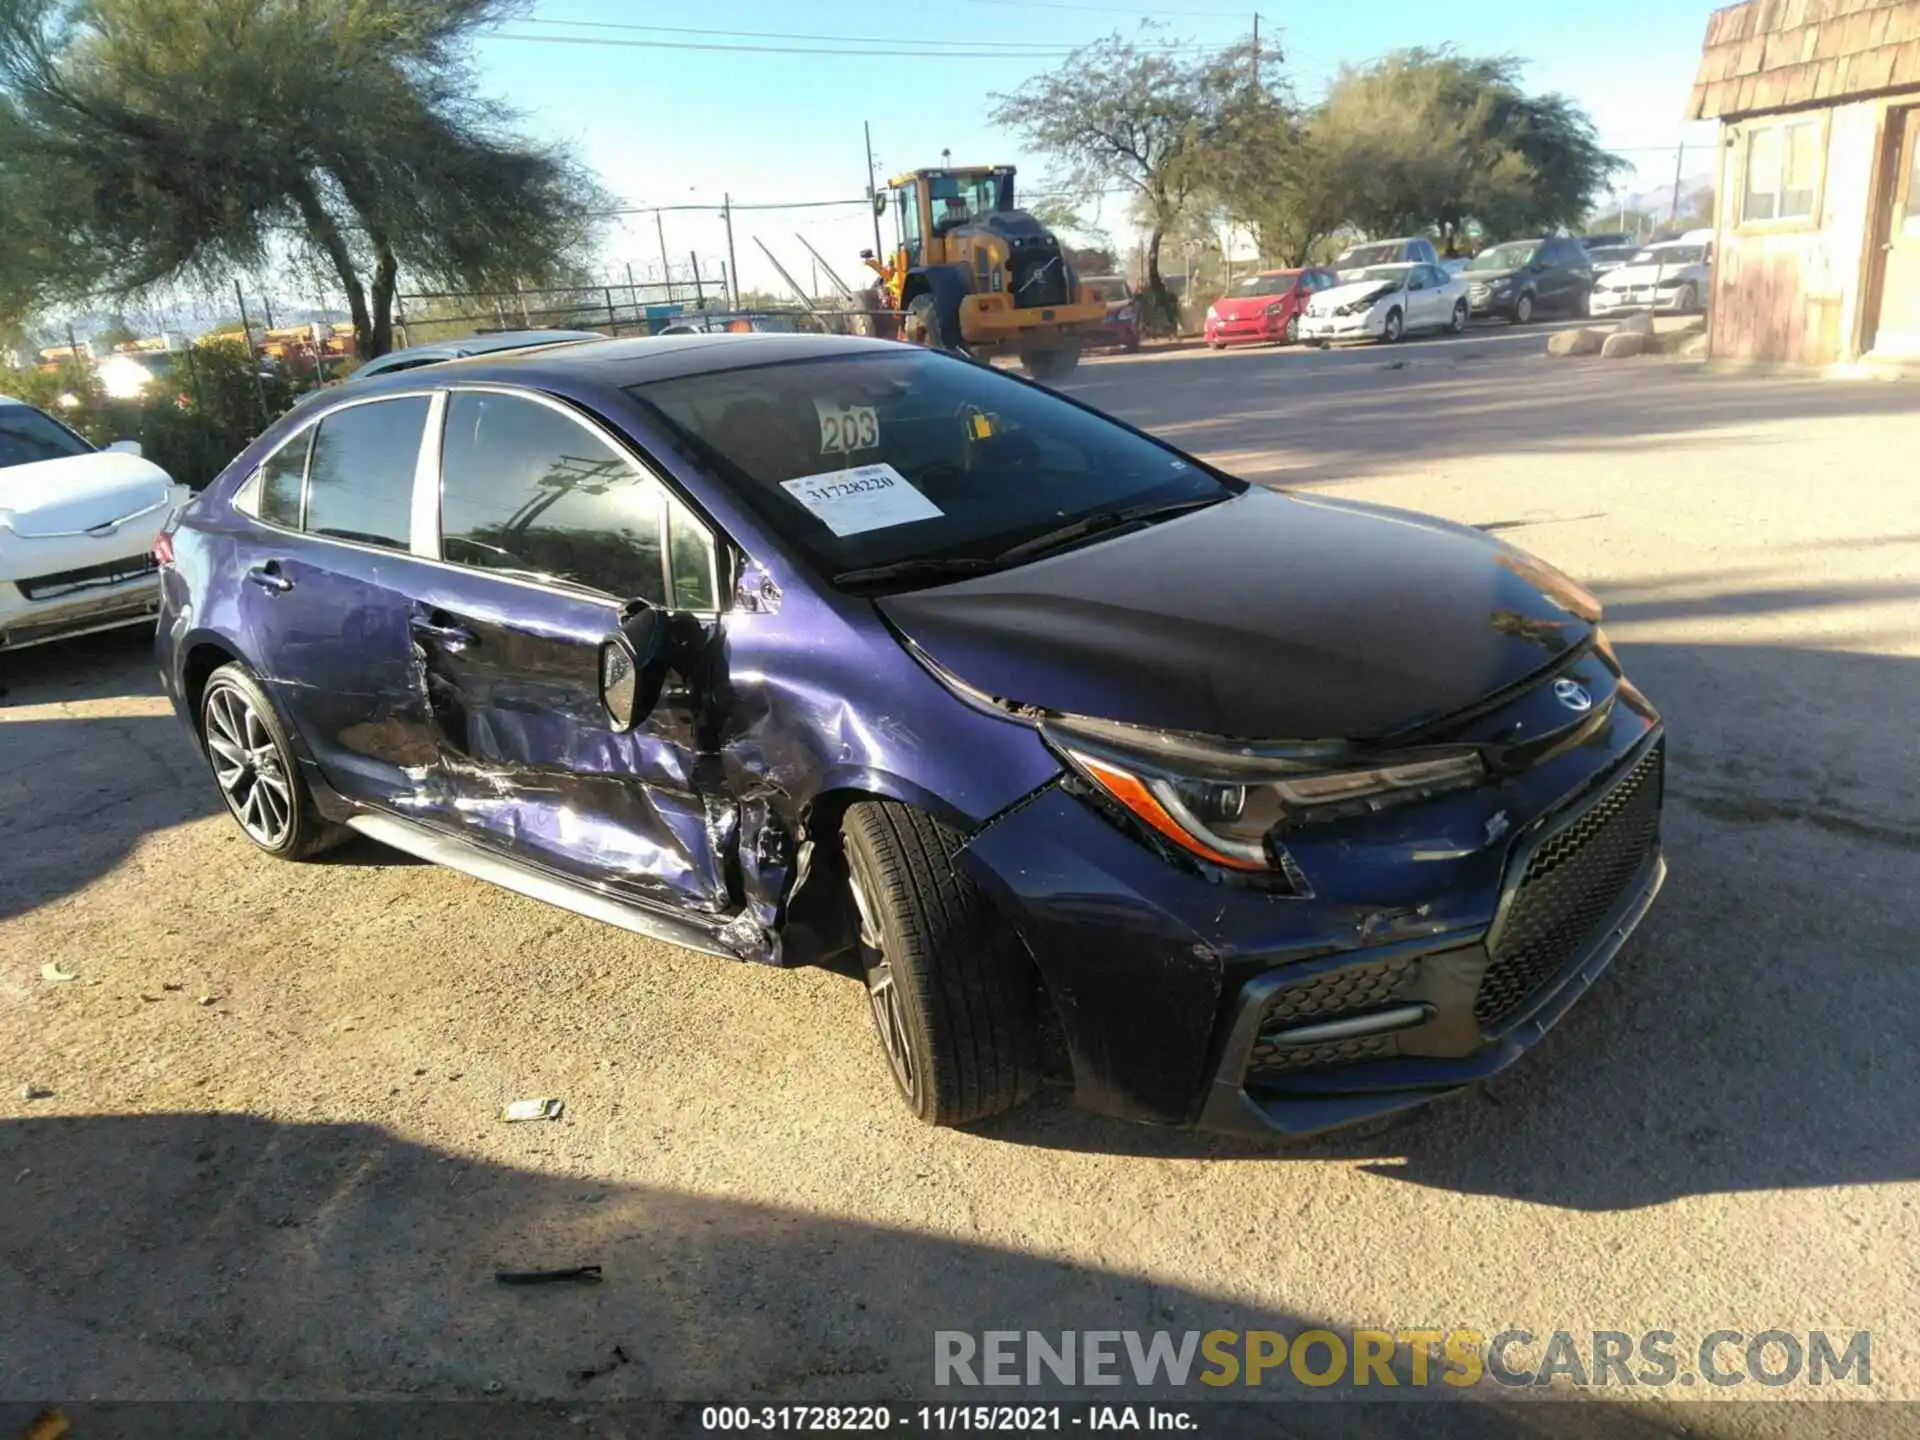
(1817, 249)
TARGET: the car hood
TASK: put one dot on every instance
(1650, 274)
(1269, 616)
(84, 495)
(1328, 300)
(1244, 307)
(1487, 277)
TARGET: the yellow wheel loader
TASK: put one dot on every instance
(974, 274)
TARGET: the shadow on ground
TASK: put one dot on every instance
(213, 1256)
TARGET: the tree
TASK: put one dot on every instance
(144, 140)
(1139, 116)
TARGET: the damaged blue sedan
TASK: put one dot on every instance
(1236, 808)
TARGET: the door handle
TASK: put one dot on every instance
(447, 637)
(269, 578)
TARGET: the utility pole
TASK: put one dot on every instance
(666, 269)
(872, 190)
(1256, 49)
(733, 265)
(699, 289)
(1679, 159)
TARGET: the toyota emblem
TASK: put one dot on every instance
(1573, 695)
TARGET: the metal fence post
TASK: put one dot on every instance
(253, 360)
(611, 322)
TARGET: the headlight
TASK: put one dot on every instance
(1224, 803)
(1213, 312)
(1276, 307)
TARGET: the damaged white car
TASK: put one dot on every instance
(77, 529)
(1384, 302)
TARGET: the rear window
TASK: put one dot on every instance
(903, 454)
(1370, 255)
(27, 436)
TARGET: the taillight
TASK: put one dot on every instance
(163, 548)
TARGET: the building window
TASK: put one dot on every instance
(1783, 171)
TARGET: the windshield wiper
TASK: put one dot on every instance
(1092, 525)
(927, 567)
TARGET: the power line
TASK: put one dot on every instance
(603, 40)
(1010, 45)
(1118, 9)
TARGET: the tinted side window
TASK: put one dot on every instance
(280, 481)
(360, 483)
(526, 489)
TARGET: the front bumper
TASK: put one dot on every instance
(1262, 329)
(1186, 1000)
(1484, 304)
(35, 612)
(1622, 302)
(1371, 325)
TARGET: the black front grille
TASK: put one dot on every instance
(1331, 995)
(88, 577)
(1572, 882)
(1039, 277)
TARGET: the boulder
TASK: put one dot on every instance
(1640, 323)
(1576, 342)
(1626, 342)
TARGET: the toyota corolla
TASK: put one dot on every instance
(1276, 811)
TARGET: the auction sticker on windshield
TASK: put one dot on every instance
(865, 497)
(852, 427)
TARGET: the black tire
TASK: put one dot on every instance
(963, 989)
(1291, 335)
(1523, 308)
(1458, 325)
(1689, 298)
(1583, 306)
(924, 314)
(1216, 344)
(1044, 365)
(300, 832)
(1394, 328)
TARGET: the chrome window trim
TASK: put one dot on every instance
(663, 491)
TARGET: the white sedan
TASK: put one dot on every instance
(1384, 302)
(1676, 276)
(77, 529)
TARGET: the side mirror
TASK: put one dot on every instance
(879, 204)
(126, 447)
(866, 255)
(633, 665)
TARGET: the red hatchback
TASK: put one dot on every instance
(1265, 307)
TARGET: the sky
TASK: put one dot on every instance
(686, 126)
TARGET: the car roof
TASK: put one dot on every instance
(638, 360)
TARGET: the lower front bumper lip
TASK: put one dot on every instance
(1314, 1103)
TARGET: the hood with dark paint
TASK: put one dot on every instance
(1269, 616)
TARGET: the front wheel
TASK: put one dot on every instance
(1291, 335)
(1689, 298)
(1458, 324)
(1051, 364)
(1394, 328)
(953, 996)
(1523, 309)
(925, 325)
(254, 766)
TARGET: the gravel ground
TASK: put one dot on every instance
(268, 1162)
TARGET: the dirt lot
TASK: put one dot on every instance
(270, 1163)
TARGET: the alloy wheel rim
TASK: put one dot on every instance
(889, 1016)
(1393, 327)
(248, 765)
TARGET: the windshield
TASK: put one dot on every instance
(1276, 284)
(26, 436)
(1671, 255)
(962, 199)
(1111, 290)
(1505, 257)
(1376, 274)
(1369, 255)
(864, 460)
